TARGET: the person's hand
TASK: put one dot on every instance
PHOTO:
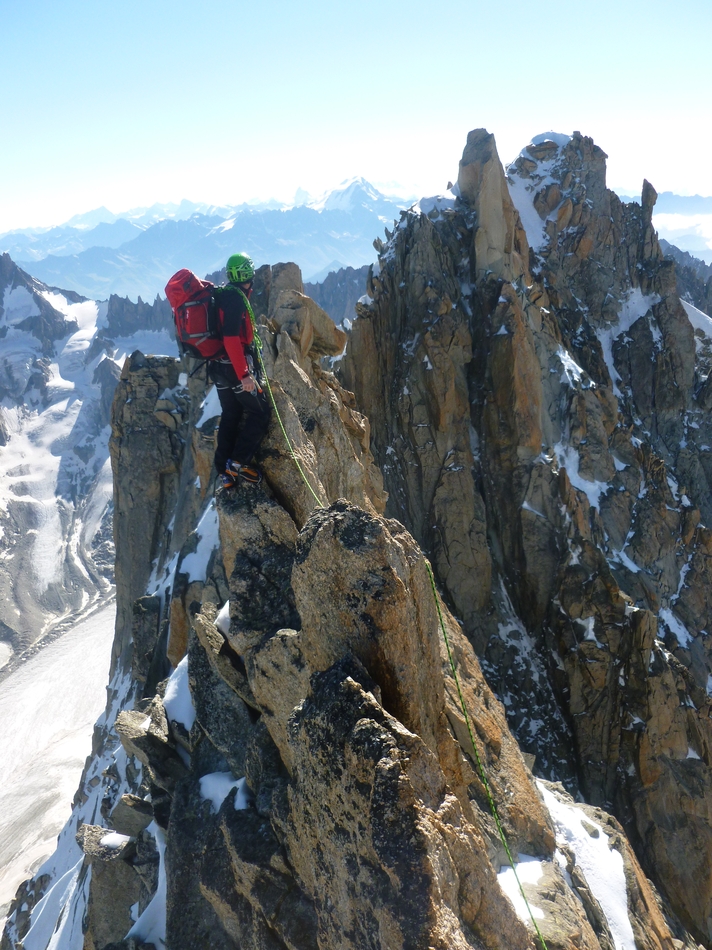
(248, 384)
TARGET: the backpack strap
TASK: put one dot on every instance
(257, 340)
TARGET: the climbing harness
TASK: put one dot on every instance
(480, 766)
(258, 346)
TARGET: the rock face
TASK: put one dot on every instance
(694, 277)
(339, 292)
(538, 404)
(306, 776)
(56, 558)
(34, 315)
(123, 317)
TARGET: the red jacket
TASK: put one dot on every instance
(236, 328)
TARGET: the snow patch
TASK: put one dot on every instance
(223, 619)
(559, 138)
(178, 701)
(589, 625)
(572, 373)
(54, 926)
(568, 458)
(437, 203)
(151, 925)
(52, 701)
(195, 565)
(18, 306)
(634, 306)
(676, 627)
(210, 407)
(114, 840)
(529, 871)
(623, 558)
(601, 864)
(216, 786)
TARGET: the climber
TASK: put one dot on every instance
(237, 377)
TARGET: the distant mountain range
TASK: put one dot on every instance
(133, 254)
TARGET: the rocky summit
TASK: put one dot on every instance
(312, 741)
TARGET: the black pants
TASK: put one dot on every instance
(244, 420)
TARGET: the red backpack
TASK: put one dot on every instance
(193, 303)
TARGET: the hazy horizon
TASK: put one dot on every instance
(128, 105)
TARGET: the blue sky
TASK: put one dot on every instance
(124, 104)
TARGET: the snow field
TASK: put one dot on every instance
(42, 437)
(48, 707)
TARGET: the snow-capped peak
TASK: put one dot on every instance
(352, 193)
(559, 138)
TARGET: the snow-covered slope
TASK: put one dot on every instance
(48, 708)
(56, 387)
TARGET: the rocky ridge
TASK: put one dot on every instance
(339, 293)
(694, 277)
(538, 398)
(304, 777)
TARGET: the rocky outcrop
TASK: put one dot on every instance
(694, 277)
(530, 378)
(124, 318)
(312, 774)
(31, 312)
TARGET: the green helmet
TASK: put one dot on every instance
(240, 268)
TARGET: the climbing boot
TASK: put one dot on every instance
(247, 473)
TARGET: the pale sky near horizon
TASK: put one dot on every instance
(149, 100)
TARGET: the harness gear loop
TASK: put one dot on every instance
(480, 766)
(258, 347)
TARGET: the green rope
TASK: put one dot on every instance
(483, 774)
(258, 346)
